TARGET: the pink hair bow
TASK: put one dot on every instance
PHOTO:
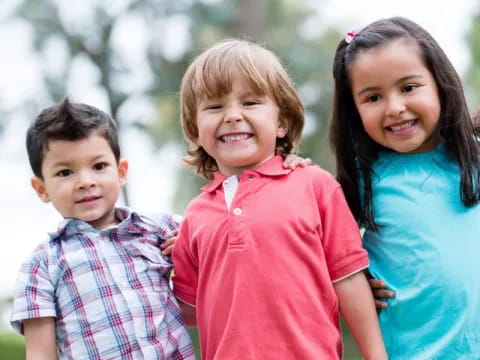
(350, 35)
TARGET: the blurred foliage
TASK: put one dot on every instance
(472, 79)
(11, 347)
(175, 32)
(291, 29)
(91, 35)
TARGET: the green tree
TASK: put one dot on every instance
(472, 79)
(92, 35)
(290, 29)
(174, 32)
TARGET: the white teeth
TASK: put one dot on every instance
(403, 126)
(230, 138)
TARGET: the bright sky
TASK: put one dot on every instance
(24, 219)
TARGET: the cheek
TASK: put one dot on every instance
(366, 118)
(371, 116)
(436, 110)
(372, 127)
(204, 132)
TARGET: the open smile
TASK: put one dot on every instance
(402, 126)
(230, 138)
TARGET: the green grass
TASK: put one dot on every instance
(11, 346)
(349, 346)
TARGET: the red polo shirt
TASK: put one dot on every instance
(261, 273)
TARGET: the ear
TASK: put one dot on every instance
(39, 186)
(283, 127)
(122, 172)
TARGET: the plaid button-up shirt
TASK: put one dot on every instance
(108, 290)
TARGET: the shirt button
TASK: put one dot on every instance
(237, 211)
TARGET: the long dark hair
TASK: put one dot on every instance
(355, 151)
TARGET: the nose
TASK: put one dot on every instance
(86, 180)
(395, 106)
(233, 114)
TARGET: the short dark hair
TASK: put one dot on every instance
(353, 147)
(68, 121)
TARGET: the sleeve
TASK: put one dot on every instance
(34, 293)
(185, 266)
(340, 235)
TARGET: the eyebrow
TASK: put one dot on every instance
(68, 163)
(405, 78)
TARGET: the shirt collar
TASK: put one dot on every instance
(130, 222)
(273, 167)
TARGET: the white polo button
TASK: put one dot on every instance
(237, 211)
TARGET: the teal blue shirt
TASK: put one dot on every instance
(428, 252)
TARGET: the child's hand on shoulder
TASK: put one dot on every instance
(293, 161)
(167, 245)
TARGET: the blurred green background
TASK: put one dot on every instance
(12, 346)
(137, 51)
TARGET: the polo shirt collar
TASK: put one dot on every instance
(129, 222)
(273, 167)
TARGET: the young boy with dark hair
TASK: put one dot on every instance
(98, 288)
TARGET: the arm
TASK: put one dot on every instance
(189, 313)
(185, 279)
(40, 339)
(358, 309)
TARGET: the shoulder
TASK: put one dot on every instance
(42, 250)
(317, 172)
(39, 255)
(37, 263)
(315, 176)
(199, 202)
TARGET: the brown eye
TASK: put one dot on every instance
(409, 87)
(100, 166)
(373, 98)
(64, 173)
(213, 107)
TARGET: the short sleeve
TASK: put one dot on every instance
(34, 292)
(340, 236)
(185, 266)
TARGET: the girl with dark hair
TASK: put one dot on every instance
(408, 160)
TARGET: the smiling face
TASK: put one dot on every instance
(239, 129)
(396, 97)
(82, 179)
